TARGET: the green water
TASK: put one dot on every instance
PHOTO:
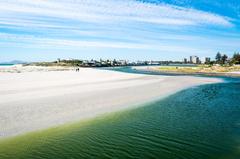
(6, 64)
(199, 123)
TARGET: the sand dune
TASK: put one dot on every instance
(31, 101)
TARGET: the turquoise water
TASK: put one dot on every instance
(6, 64)
(198, 123)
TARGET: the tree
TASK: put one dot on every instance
(218, 58)
(114, 62)
(224, 59)
(236, 58)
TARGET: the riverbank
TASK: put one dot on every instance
(38, 100)
(233, 71)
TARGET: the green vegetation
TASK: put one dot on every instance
(202, 69)
(224, 60)
(236, 58)
(222, 64)
(69, 63)
(83, 63)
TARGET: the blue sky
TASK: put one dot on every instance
(42, 30)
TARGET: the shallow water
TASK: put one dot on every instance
(129, 69)
(6, 65)
(198, 123)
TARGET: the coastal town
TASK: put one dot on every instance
(220, 59)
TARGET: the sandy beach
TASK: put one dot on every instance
(35, 100)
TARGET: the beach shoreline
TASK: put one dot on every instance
(35, 100)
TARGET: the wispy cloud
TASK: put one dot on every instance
(28, 41)
(98, 19)
(114, 24)
(40, 42)
(105, 11)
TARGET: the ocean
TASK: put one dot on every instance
(1, 65)
(201, 122)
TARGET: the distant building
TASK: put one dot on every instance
(123, 62)
(154, 63)
(185, 60)
(194, 60)
(141, 63)
(207, 60)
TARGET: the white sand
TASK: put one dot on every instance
(19, 68)
(31, 101)
(235, 72)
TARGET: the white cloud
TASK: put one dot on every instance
(28, 41)
(119, 24)
(107, 11)
(36, 42)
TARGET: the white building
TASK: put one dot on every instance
(194, 59)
